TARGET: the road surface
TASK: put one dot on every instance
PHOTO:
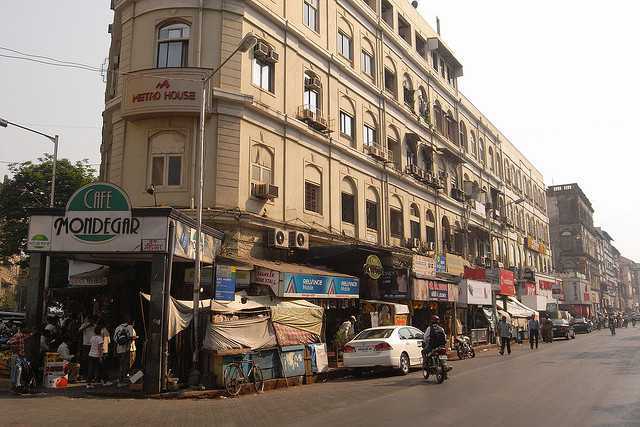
(593, 380)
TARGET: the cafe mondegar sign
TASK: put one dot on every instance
(98, 218)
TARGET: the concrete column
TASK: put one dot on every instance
(35, 289)
(157, 326)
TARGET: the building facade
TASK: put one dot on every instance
(343, 125)
(576, 243)
(608, 257)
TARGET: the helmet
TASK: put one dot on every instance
(435, 319)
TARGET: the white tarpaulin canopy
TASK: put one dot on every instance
(252, 333)
(517, 309)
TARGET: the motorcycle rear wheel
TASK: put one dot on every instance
(472, 352)
(440, 374)
(460, 354)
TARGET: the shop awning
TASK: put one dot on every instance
(517, 309)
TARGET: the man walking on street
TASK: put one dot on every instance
(534, 331)
(125, 339)
(504, 332)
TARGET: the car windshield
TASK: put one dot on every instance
(373, 333)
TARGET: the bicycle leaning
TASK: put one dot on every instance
(236, 374)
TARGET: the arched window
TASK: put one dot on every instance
(446, 235)
(393, 145)
(347, 119)
(369, 130)
(491, 159)
(368, 63)
(463, 137)
(345, 39)
(261, 165)
(474, 145)
(452, 127)
(395, 217)
(166, 159)
(312, 92)
(499, 164)
(373, 209)
(439, 116)
(390, 79)
(414, 221)
(407, 89)
(426, 159)
(430, 223)
(481, 152)
(423, 104)
(312, 189)
(173, 45)
(349, 201)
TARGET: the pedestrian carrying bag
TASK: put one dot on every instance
(123, 337)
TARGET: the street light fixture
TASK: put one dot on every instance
(47, 270)
(248, 41)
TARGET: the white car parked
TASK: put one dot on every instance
(390, 346)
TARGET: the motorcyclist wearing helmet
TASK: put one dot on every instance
(434, 337)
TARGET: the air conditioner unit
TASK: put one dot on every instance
(273, 56)
(313, 83)
(378, 152)
(430, 246)
(298, 240)
(265, 191)
(414, 243)
(277, 238)
(261, 50)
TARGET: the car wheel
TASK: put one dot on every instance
(358, 372)
(404, 364)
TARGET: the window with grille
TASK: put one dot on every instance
(348, 208)
(312, 197)
(395, 218)
(372, 215)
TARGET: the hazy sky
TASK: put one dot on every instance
(557, 77)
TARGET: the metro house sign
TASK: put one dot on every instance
(163, 92)
(97, 213)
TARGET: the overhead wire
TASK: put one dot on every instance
(55, 64)
(47, 57)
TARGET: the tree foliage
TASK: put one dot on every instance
(29, 187)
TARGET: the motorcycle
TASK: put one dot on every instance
(462, 345)
(436, 363)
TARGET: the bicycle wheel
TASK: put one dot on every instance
(233, 379)
(258, 381)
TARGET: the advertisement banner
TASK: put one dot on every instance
(507, 282)
(441, 264)
(423, 265)
(267, 277)
(529, 289)
(87, 274)
(438, 291)
(225, 283)
(475, 273)
(475, 292)
(185, 244)
(315, 286)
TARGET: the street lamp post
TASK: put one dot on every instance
(245, 45)
(47, 270)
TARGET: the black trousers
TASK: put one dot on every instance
(533, 335)
(505, 341)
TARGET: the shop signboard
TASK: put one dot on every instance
(475, 292)
(146, 94)
(225, 283)
(373, 267)
(529, 289)
(317, 286)
(475, 273)
(441, 264)
(424, 265)
(395, 284)
(455, 265)
(97, 219)
(506, 280)
(429, 290)
(557, 292)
